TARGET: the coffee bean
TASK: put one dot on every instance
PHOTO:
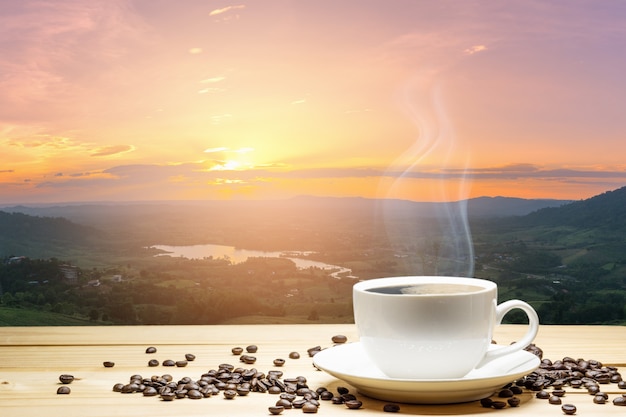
(150, 392)
(151, 349)
(568, 409)
(279, 362)
(555, 400)
(505, 393)
(312, 351)
(247, 359)
(276, 409)
(486, 402)
(108, 364)
(64, 390)
(169, 362)
(498, 404)
(168, 396)
(229, 394)
(66, 379)
(353, 404)
(194, 394)
(544, 395)
(294, 355)
(599, 399)
(309, 408)
(391, 408)
(514, 402)
(237, 350)
(190, 357)
(181, 364)
(342, 390)
(326, 396)
(621, 401)
(153, 362)
(339, 338)
(558, 392)
(252, 349)
(621, 385)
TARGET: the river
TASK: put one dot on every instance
(236, 256)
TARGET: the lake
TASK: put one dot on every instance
(236, 255)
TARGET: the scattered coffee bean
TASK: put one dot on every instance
(342, 390)
(391, 408)
(151, 349)
(276, 409)
(559, 392)
(599, 399)
(168, 396)
(339, 338)
(514, 402)
(353, 404)
(64, 390)
(237, 350)
(326, 396)
(229, 394)
(190, 357)
(505, 393)
(621, 385)
(181, 364)
(108, 364)
(279, 362)
(309, 408)
(247, 359)
(153, 362)
(498, 404)
(544, 395)
(555, 400)
(118, 387)
(486, 402)
(66, 379)
(621, 401)
(284, 403)
(150, 392)
(568, 409)
(252, 349)
(294, 355)
(312, 351)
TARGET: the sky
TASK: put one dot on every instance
(139, 100)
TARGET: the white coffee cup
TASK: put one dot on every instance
(439, 328)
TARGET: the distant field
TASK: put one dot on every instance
(24, 317)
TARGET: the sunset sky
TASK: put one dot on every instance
(123, 100)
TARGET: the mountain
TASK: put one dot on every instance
(41, 236)
(606, 211)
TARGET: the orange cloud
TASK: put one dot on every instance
(113, 150)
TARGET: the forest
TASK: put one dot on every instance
(566, 261)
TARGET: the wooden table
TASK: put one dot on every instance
(33, 358)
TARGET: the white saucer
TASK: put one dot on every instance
(350, 363)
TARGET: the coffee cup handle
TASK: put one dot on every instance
(531, 333)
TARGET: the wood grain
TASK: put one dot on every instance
(31, 360)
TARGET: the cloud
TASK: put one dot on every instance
(475, 49)
(195, 51)
(219, 149)
(226, 9)
(213, 80)
(113, 150)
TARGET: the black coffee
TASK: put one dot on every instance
(430, 289)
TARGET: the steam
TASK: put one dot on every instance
(438, 240)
